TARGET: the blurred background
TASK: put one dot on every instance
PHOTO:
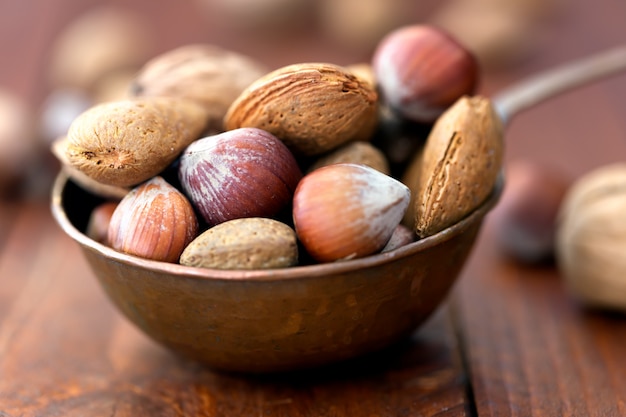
(60, 57)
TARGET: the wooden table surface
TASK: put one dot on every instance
(508, 341)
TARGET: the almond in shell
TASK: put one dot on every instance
(311, 107)
(212, 76)
(357, 152)
(248, 243)
(459, 164)
(123, 143)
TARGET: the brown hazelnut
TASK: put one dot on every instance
(524, 220)
(421, 70)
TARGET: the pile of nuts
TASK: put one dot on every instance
(213, 161)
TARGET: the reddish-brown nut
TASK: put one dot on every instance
(99, 220)
(401, 236)
(524, 220)
(346, 211)
(245, 172)
(154, 221)
(421, 70)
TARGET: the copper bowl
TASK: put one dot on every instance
(275, 320)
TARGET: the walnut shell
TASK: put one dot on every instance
(311, 107)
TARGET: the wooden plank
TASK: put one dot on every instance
(531, 349)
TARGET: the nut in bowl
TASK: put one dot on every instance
(274, 320)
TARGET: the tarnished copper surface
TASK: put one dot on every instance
(276, 320)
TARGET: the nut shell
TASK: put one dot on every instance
(461, 161)
(126, 142)
(311, 107)
(212, 76)
(524, 220)
(346, 211)
(355, 153)
(421, 70)
(240, 173)
(250, 243)
(591, 238)
(154, 221)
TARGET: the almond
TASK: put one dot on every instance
(212, 76)
(311, 107)
(250, 243)
(126, 142)
(358, 152)
(459, 164)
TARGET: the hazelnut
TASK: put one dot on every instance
(524, 221)
(244, 172)
(401, 236)
(154, 221)
(99, 221)
(422, 70)
(346, 211)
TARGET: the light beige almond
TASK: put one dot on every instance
(58, 149)
(358, 152)
(460, 164)
(312, 107)
(126, 142)
(248, 243)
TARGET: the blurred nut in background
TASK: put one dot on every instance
(362, 23)
(18, 147)
(591, 238)
(208, 74)
(525, 218)
(497, 36)
(97, 43)
(269, 15)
